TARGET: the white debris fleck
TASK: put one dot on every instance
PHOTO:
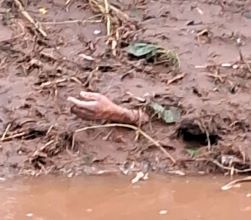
(235, 66)
(70, 175)
(226, 65)
(248, 195)
(89, 210)
(146, 176)
(177, 172)
(86, 57)
(97, 32)
(238, 40)
(163, 212)
(138, 177)
(2, 179)
(29, 214)
(200, 67)
(199, 11)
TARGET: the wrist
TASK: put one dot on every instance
(130, 116)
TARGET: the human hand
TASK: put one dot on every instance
(94, 106)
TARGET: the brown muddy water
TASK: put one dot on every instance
(108, 198)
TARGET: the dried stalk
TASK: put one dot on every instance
(138, 131)
(234, 182)
(113, 18)
(27, 16)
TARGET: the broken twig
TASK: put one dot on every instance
(138, 130)
(234, 182)
(5, 132)
(176, 78)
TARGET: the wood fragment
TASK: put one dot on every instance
(176, 78)
(234, 182)
(8, 138)
(5, 132)
(43, 148)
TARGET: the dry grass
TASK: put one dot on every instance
(114, 19)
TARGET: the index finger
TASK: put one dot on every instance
(82, 104)
(89, 95)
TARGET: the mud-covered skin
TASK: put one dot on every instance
(94, 106)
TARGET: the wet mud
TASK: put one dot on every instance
(67, 51)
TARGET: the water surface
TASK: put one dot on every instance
(115, 198)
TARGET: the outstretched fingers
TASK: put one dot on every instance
(91, 96)
(89, 105)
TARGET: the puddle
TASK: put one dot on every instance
(109, 198)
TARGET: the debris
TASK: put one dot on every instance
(163, 212)
(127, 167)
(6, 132)
(229, 159)
(235, 183)
(97, 32)
(226, 65)
(199, 11)
(139, 176)
(36, 24)
(146, 177)
(155, 53)
(2, 179)
(114, 19)
(90, 20)
(169, 116)
(248, 195)
(143, 50)
(29, 215)
(177, 172)
(86, 57)
(204, 36)
(43, 11)
(138, 130)
(176, 78)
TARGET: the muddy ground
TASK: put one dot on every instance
(41, 66)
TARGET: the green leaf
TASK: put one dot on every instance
(142, 49)
(192, 151)
(169, 116)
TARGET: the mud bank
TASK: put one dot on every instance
(41, 65)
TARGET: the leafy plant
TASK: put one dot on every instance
(155, 52)
(169, 116)
(142, 49)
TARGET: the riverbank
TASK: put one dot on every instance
(49, 51)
